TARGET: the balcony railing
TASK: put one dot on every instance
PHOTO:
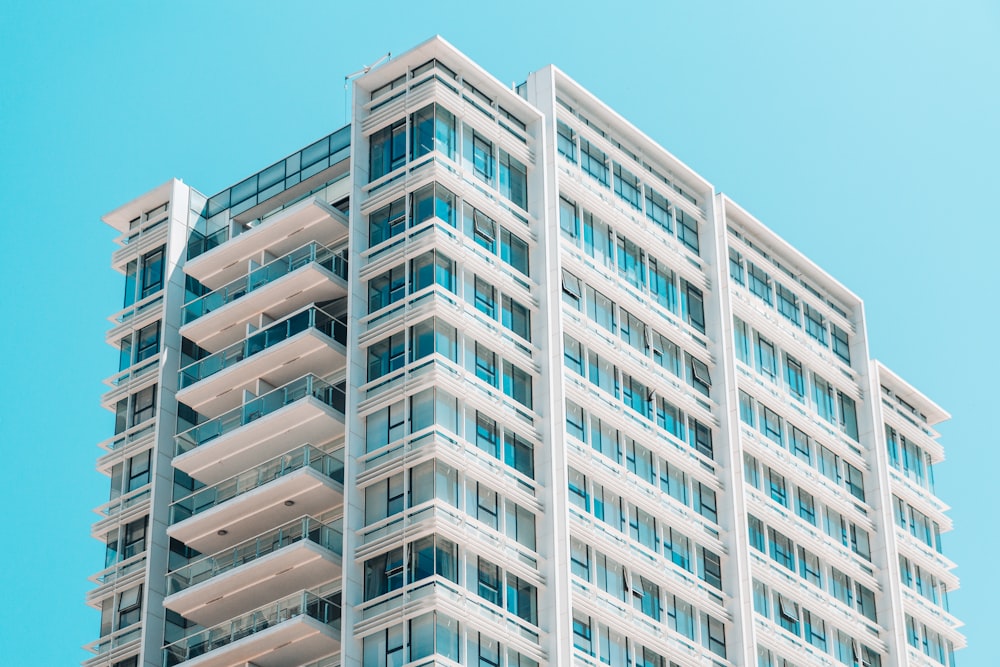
(272, 401)
(306, 603)
(268, 273)
(307, 528)
(306, 456)
(310, 318)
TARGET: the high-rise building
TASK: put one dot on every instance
(488, 377)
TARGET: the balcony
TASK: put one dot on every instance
(310, 274)
(311, 340)
(305, 410)
(310, 219)
(298, 555)
(292, 631)
(302, 481)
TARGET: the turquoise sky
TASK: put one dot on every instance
(865, 133)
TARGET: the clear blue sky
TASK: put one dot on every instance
(865, 133)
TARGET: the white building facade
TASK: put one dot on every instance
(488, 377)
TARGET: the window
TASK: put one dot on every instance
(569, 222)
(788, 304)
(582, 639)
(519, 454)
(572, 290)
(388, 150)
(800, 445)
(433, 336)
(432, 201)
(848, 415)
(815, 324)
(854, 480)
(759, 283)
(771, 425)
(666, 353)
(840, 587)
(385, 426)
(746, 409)
(680, 616)
(662, 285)
(579, 556)
(841, 344)
(486, 364)
(767, 361)
(687, 231)
(699, 376)
(795, 378)
(701, 437)
(488, 582)
(755, 528)
(677, 547)
(513, 180)
(514, 251)
(761, 604)
(384, 573)
(566, 141)
(630, 262)
(704, 502)
(866, 602)
(713, 635)
(806, 505)
(815, 629)
(627, 187)
(776, 484)
(780, 548)
(602, 310)
(741, 339)
(809, 568)
(484, 231)
(386, 222)
(484, 297)
(594, 162)
(573, 355)
(694, 306)
(522, 599)
(129, 607)
(788, 613)
(711, 568)
(386, 356)
(517, 384)
(658, 210)
(736, 267)
(433, 555)
(433, 128)
(479, 154)
(823, 397)
(386, 288)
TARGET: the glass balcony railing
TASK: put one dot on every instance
(326, 610)
(310, 318)
(263, 275)
(272, 401)
(307, 528)
(306, 456)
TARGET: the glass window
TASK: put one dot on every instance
(517, 384)
(756, 532)
(433, 128)
(694, 306)
(630, 262)
(841, 344)
(788, 304)
(484, 231)
(741, 336)
(566, 141)
(484, 297)
(602, 310)
(780, 548)
(795, 378)
(736, 267)
(569, 222)
(662, 285)
(152, 273)
(432, 201)
(687, 230)
(513, 180)
(809, 568)
(386, 222)
(815, 324)
(627, 187)
(386, 288)
(658, 210)
(514, 251)
(572, 290)
(759, 282)
(388, 150)
(699, 375)
(479, 154)
(516, 317)
(387, 355)
(488, 581)
(519, 454)
(594, 162)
